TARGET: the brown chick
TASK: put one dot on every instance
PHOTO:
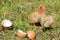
(31, 35)
(49, 20)
(46, 22)
(36, 15)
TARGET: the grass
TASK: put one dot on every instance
(18, 10)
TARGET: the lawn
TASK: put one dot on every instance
(18, 10)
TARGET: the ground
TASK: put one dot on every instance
(18, 10)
